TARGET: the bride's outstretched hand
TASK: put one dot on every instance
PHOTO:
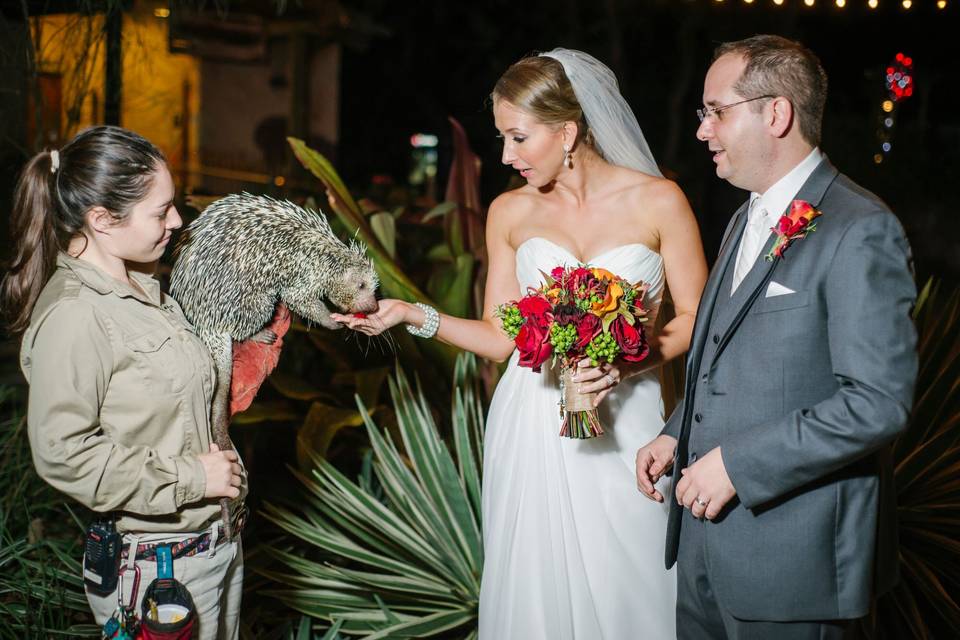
(389, 314)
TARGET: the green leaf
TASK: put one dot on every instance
(440, 211)
(320, 426)
(384, 226)
(452, 286)
(296, 388)
(262, 411)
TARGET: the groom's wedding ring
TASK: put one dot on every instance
(701, 502)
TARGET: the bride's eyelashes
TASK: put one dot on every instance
(517, 139)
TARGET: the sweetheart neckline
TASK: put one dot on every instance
(594, 258)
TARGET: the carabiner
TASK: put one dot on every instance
(133, 591)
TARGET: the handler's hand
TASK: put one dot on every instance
(654, 460)
(222, 470)
(707, 480)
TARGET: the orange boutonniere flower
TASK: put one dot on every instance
(793, 226)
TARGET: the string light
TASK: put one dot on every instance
(809, 3)
(941, 4)
(872, 4)
(907, 4)
(841, 3)
(778, 2)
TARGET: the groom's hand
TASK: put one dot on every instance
(707, 480)
(654, 460)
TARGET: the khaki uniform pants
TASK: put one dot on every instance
(214, 579)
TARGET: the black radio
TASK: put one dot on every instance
(101, 557)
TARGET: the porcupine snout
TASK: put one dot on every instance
(355, 291)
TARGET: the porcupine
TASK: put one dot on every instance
(244, 255)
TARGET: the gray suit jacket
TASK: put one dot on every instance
(804, 392)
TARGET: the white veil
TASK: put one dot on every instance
(615, 129)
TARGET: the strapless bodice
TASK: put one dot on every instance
(633, 262)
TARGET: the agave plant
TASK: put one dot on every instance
(927, 475)
(397, 553)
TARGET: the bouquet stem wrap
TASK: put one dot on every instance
(580, 419)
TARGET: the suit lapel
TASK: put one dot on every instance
(759, 276)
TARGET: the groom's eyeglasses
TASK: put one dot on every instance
(705, 113)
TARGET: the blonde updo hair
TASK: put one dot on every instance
(539, 86)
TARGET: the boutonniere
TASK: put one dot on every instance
(793, 226)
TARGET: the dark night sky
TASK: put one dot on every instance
(442, 58)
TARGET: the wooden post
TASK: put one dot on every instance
(113, 81)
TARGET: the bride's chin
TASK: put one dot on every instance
(539, 182)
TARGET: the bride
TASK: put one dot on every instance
(572, 550)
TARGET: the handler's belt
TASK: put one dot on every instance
(189, 546)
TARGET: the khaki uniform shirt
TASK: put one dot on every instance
(119, 403)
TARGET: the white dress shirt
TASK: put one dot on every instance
(765, 211)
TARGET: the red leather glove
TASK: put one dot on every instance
(253, 361)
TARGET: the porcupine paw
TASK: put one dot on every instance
(264, 336)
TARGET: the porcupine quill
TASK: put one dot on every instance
(244, 255)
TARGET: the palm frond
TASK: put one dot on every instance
(927, 475)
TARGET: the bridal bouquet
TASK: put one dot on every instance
(578, 312)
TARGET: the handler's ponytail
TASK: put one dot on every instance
(107, 167)
(34, 231)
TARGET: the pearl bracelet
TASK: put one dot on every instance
(430, 324)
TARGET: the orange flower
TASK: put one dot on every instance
(610, 302)
(603, 274)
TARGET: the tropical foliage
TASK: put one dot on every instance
(927, 457)
(398, 552)
(41, 592)
(442, 245)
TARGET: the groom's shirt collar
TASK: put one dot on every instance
(778, 197)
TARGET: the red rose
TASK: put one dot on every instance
(534, 345)
(631, 340)
(588, 326)
(581, 276)
(536, 308)
(557, 274)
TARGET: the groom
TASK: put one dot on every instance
(800, 372)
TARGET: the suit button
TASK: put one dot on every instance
(698, 417)
(716, 339)
(704, 377)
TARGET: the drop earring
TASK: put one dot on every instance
(567, 157)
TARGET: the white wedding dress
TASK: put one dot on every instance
(572, 549)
